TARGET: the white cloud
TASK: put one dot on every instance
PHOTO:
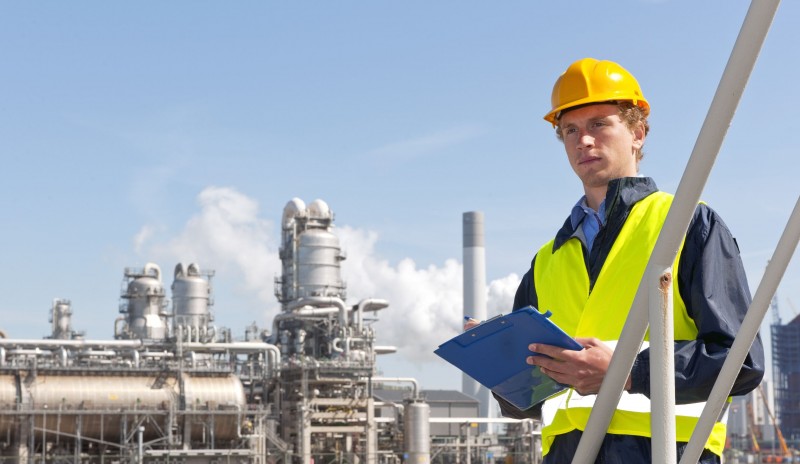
(141, 238)
(501, 294)
(430, 143)
(425, 303)
(228, 235)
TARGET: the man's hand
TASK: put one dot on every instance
(583, 370)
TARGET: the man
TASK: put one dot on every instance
(588, 274)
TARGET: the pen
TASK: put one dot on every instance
(467, 318)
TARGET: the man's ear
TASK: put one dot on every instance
(638, 136)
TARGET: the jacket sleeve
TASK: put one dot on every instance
(713, 285)
(526, 295)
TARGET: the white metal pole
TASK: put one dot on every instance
(662, 364)
(747, 333)
(720, 114)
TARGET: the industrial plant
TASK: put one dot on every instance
(173, 387)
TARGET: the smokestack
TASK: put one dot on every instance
(475, 294)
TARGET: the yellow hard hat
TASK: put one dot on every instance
(593, 81)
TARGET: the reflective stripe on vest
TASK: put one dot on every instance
(562, 287)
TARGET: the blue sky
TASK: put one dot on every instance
(177, 131)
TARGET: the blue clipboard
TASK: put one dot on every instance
(493, 353)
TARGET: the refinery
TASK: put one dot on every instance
(173, 387)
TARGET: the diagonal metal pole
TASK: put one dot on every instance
(726, 99)
(741, 345)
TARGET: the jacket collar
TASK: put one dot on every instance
(622, 194)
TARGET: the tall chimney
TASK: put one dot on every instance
(475, 295)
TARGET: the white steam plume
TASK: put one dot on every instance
(229, 235)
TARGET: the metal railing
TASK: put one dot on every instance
(650, 304)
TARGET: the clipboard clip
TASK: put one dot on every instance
(488, 327)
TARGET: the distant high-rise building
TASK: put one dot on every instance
(786, 376)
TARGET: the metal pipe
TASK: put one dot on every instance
(384, 349)
(322, 301)
(662, 361)
(140, 433)
(734, 79)
(304, 308)
(135, 358)
(119, 319)
(244, 347)
(30, 351)
(155, 268)
(776, 267)
(413, 381)
(157, 354)
(48, 343)
(106, 353)
(272, 353)
(369, 304)
(63, 355)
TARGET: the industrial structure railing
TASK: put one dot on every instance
(656, 285)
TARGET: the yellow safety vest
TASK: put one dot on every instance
(562, 286)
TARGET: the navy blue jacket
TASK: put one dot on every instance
(712, 284)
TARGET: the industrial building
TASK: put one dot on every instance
(786, 375)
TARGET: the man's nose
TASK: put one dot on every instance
(585, 140)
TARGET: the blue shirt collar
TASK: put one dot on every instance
(581, 210)
(587, 222)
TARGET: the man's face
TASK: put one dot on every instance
(599, 145)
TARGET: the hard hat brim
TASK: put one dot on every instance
(553, 116)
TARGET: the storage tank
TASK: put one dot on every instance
(8, 402)
(318, 261)
(310, 253)
(223, 398)
(61, 317)
(144, 304)
(191, 301)
(101, 406)
(416, 426)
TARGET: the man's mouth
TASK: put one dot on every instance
(588, 160)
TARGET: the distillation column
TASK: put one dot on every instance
(327, 351)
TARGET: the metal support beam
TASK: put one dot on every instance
(748, 332)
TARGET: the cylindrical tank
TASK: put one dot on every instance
(222, 397)
(318, 258)
(61, 317)
(8, 401)
(190, 297)
(417, 435)
(104, 406)
(145, 295)
(100, 406)
(310, 253)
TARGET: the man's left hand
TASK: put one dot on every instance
(583, 370)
